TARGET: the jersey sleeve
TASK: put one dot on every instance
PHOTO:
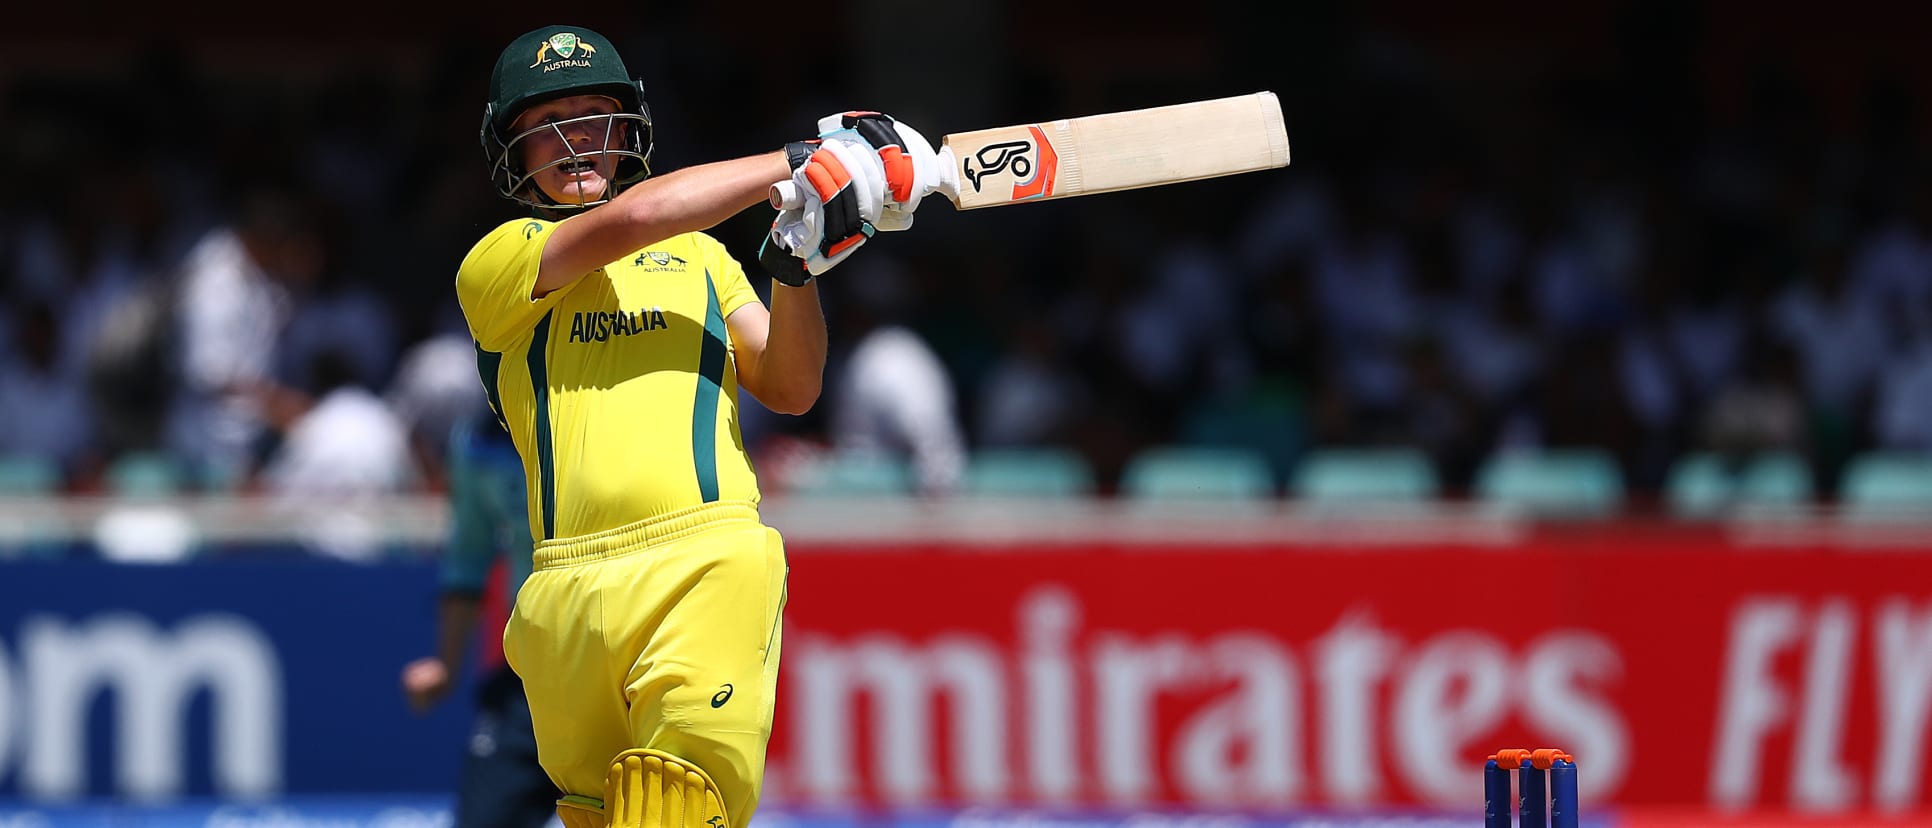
(493, 284)
(472, 550)
(727, 275)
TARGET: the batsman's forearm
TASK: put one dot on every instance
(698, 198)
(684, 201)
(794, 360)
(455, 626)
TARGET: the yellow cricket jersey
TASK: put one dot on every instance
(619, 390)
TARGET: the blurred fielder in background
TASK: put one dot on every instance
(502, 785)
(612, 338)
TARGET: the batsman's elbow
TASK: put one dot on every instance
(794, 398)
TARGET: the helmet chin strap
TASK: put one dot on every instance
(553, 208)
(556, 206)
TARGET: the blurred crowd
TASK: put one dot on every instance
(253, 279)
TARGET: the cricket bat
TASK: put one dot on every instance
(1104, 153)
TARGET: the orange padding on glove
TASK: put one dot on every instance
(827, 175)
(899, 172)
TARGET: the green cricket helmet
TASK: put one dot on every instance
(555, 62)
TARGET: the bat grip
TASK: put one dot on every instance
(785, 195)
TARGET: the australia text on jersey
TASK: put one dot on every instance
(599, 326)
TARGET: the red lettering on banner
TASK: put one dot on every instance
(1687, 676)
(1811, 706)
(1132, 718)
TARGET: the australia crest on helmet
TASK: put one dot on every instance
(565, 45)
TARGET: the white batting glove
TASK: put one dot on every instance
(828, 207)
(798, 234)
(863, 165)
(910, 165)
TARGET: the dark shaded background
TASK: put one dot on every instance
(1628, 199)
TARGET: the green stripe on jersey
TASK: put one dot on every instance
(540, 397)
(488, 365)
(704, 410)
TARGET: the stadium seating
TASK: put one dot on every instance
(1196, 473)
(1034, 472)
(23, 475)
(853, 474)
(1887, 484)
(1575, 482)
(1339, 476)
(1706, 484)
(145, 474)
(33, 534)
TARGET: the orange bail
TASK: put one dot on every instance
(1544, 758)
(1511, 757)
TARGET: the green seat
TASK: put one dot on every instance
(1365, 475)
(1577, 482)
(145, 474)
(1034, 472)
(1705, 484)
(217, 480)
(24, 476)
(38, 533)
(1188, 473)
(1887, 484)
(853, 474)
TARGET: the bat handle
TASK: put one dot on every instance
(785, 195)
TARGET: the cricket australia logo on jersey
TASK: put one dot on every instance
(652, 261)
(600, 326)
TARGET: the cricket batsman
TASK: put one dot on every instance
(613, 337)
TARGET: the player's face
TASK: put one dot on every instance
(572, 129)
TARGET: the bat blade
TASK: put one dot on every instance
(1104, 153)
(1114, 151)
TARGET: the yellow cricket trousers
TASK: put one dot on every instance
(664, 635)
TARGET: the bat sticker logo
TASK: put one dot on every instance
(993, 158)
(1038, 186)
